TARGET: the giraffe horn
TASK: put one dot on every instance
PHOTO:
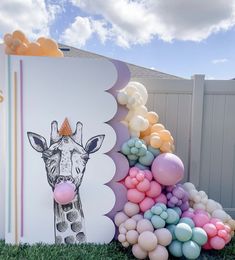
(77, 136)
(54, 132)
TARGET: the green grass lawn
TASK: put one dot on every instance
(90, 251)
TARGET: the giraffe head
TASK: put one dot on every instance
(66, 158)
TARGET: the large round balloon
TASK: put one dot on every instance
(167, 169)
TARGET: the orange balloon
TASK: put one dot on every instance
(157, 128)
(8, 39)
(166, 147)
(146, 132)
(15, 44)
(147, 139)
(165, 135)
(155, 141)
(152, 117)
(41, 40)
(49, 45)
(34, 49)
(22, 49)
(20, 35)
(9, 51)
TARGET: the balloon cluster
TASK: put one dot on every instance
(187, 239)
(161, 215)
(177, 197)
(142, 189)
(18, 44)
(200, 200)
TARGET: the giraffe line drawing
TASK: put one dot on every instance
(65, 162)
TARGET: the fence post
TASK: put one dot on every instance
(196, 128)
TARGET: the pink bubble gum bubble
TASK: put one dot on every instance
(155, 189)
(143, 185)
(146, 204)
(210, 229)
(200, 219)
(217, 243)
(64, 193)
(161, 198)
(135, 196)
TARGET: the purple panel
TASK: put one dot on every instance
(121, 132)
(122, 166)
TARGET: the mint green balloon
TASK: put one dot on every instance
(157, 210)
(154, 151)
(199, 236)
(171, 228)
(148, 214)
(125, 149)
(134, 150)
(158, 222)
(162, 205)
(138, 144)
(178, 210)
(142, 150)
(131, 142)
(147, 159)
(164, 215)
(132, 162)
(175, 248)
(183, 232)
(191, 250)
(188, 221)
(132, 157)
(141, 167)
(173, 217)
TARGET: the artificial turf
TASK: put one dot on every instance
(112, 251)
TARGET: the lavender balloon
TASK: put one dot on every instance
(177, 196)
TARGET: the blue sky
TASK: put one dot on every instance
(182, 37)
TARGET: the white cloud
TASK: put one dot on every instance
(33, 17)
(138, 22)
(218, 61)
(78, 32)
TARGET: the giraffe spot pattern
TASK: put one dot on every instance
(69, 240)
(67, 207)
(58, 240)
(72, 216)
(81, 237)
(76, 226)
(62, 226)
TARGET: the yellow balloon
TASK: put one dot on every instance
(157, 128)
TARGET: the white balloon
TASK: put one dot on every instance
(122, 98)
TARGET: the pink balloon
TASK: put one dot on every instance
(161, 198)
(207, 246)
(144, 185)
(128, 183)
(167, 169)
(210, 229)
(201, 219)
(64, 193)
(146, 204)
(188, 214)
(135, 196)
(217, 243)
(155, 189)
(214, 220)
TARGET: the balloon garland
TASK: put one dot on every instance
(18, 44)
(163, 216)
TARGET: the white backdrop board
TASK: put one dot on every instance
(42, 93)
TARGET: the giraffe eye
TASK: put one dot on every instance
(78, 170)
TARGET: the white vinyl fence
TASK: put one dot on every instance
(201, 117)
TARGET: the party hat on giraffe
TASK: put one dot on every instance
(65, 129)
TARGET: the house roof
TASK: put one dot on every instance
(136, 71)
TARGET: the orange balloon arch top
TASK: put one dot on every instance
(18, 44)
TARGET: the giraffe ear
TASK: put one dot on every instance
(94, 143)
(38, 142)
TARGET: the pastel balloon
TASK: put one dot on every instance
(64, 193)
(138, 252)
(217, 243)
(199, 236)
(175, 248)
(132, 237)
(161, 198)
(187, 221)
(147, 241)
(130, 224)
(120, 218)
(135, 196)
(167, 169)
(183, 232)
(164, 236)
(146, 204)
(191, 250)
(159, 253)
(200, 219)
(144, 225)
(154, 190)
(131, 209)
(210, 229)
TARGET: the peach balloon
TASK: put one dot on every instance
(131, 209)
(144, 225)
(138, 252)
(147, 241)
(132, 237)
(20, 35)
(159, 253)
(165, 135)
(130, 224)
(120, 218)
(34, 49)
(155, 141)
(8, 39)
(164, 236)
(22, 49)
(152, 117)
(157, 128)
(166, 147)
